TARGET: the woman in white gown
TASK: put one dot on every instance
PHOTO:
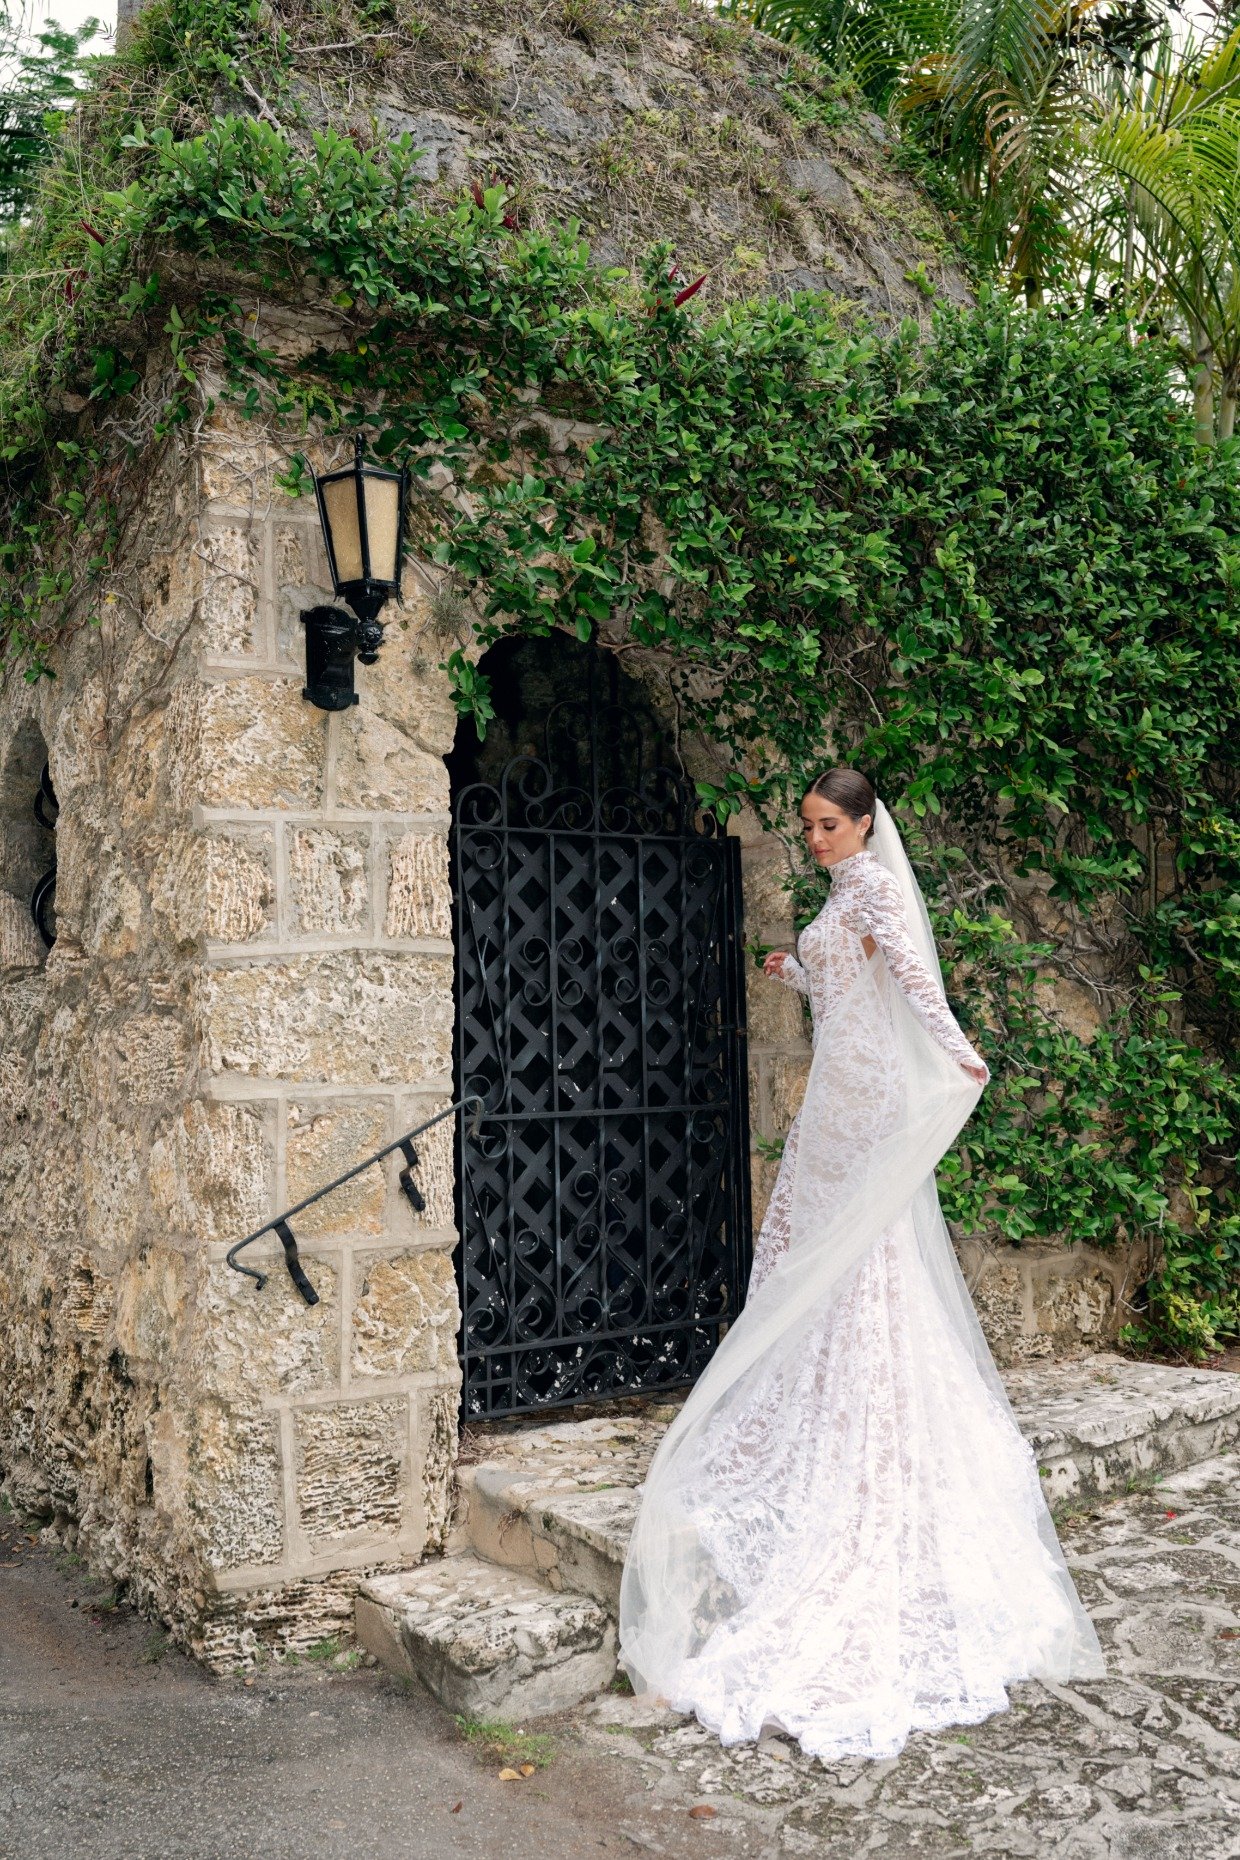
(843, 1534)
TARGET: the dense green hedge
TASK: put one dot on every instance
(990, 567)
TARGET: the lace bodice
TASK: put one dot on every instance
(865, 901)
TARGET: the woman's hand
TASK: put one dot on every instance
(774, 963)
(979, 1073)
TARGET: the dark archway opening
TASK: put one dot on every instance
(603, 1205)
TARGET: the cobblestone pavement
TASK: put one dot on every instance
(1142, 1765)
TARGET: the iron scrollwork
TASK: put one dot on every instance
(43, 897)
(603, 1202)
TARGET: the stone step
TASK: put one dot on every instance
(519, 1617)
(488, 1642)
(558, 1502)
(1098, 1424)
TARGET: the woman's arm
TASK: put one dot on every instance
(885, 921)
(787, 969)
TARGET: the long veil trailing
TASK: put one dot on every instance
(722, 1558)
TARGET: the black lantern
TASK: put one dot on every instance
(362, 510)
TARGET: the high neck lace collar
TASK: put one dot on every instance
(849, 868)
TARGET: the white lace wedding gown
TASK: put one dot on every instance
(850, 1541)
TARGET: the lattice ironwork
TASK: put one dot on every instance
(604, 1201)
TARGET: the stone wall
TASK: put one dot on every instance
(251, 986)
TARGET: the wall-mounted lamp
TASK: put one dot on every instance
(362, 510)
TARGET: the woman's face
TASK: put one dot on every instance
(830, 833)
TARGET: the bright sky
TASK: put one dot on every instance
(70, 13)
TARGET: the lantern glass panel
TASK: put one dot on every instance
(383, 526)
(340, 503)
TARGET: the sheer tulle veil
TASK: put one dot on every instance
(883, 1103)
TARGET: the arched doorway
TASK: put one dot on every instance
(603, 1205)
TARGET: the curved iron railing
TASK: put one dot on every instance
(279, 1225)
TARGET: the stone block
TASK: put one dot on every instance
(115, 923)
(1073, 1300)
(379, 767)
(767, 905)
(267, 1342)
(329, 892)
(488, 1642)
(240, 892)
(419, 901)
(238, 1627)
(219, 885)
(357, 1018)
(166, 589)
(234, 464)
(113, 1196)
(247, 742)
(998, 1285)
(405, 1314)
(1073, 1007)
(438, 1442)
(231, 562)
(78, 741)
(406, 686)
(436, 1171)
(153, 1057)
(151, 1303)
(300, 558)
(763, 1171)
(321, 1142)
(21, 946)
(351, 1468)
(236, 1490)
(211, 1171)
(142, 758)
(775, 1013)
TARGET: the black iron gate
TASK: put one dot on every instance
(603, 1203)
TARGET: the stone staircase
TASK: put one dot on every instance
(518, 1618)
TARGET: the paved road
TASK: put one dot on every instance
(107, 1753)
(110, 1753)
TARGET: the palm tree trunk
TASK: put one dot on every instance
(1203, 386)
(1227, 410)
(1130, 244)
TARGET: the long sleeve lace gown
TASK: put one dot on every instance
(845, 1535)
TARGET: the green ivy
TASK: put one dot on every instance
(989, 565)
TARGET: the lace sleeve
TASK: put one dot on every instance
(882, 910)
(794, 975)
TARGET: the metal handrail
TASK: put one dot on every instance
(280, 1224)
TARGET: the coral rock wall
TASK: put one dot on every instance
(251, 986)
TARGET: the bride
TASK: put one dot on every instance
(843, 1535)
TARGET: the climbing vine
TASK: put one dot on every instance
(988, 565)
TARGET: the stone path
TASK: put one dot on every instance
(1142, 1765)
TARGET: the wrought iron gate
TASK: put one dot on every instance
(603, 1204)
